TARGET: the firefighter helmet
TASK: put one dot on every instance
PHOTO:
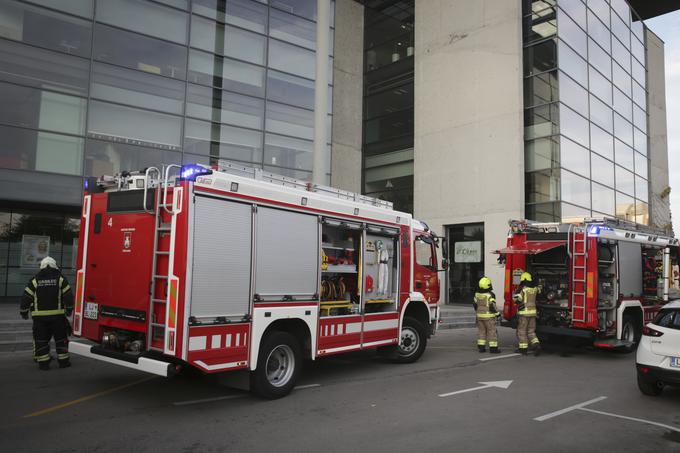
(485, 283)
(526, 277)
(48, 261)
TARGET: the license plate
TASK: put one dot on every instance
(91, 310)
(675, 362)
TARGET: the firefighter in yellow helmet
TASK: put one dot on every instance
(485, 306)
(526, 327)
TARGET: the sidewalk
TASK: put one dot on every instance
(15, 333)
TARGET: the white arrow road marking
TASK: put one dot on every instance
(485, 385)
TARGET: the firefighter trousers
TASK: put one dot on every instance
(46, 327)
(526, 332)
(487, 333)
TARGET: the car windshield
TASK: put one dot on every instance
(668, 318)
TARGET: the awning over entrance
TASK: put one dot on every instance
(530, 248)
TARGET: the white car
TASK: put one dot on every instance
(658, 354)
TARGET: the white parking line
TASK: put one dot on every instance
(209, 400)
(672, 428)
(568, 409)
(504, 356)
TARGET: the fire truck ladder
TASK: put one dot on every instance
(578, 238)
(158, 291)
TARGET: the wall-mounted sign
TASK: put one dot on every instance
(467, 252)
(34, 249)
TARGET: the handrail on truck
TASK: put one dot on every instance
(148, 172)
(165, 187)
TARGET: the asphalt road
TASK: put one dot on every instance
(350, 403)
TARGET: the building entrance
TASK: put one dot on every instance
(466, 251)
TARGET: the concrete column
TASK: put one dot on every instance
(659, 192)
(469, 147)
(348, 86)
(323, 8)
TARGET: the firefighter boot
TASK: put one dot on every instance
(536, 349)
(494, 350)
(481, 348)
(44, 365)
(64, 363)
(522, 351)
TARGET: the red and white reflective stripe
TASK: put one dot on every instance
(80, 278)
(219, 341)
(220, 366)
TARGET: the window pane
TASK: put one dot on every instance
(291, 59)
(539, 57)
(294, 90)
(601, 8)
(576, 9)
(601, 114)
(77, 7)
(621, 8)
(573, 125)
(638, 29)
(574, 157)
(24, 149)
(222, 141)
(286, 120)
(639, 95)
(290, 173)
(108, 158)
(621, 31)
(640, 140)
(37, 109)
(623, 130)
(600, 86)
(571, 33)
(599, 32)
(623, 105)
(209, 69)
(601, 142)
(622, 80)
(641, 165)
(225, 40)
(573, 64)
(43, 69)
(539, 25)
(542, 186)
(539, 89)
(245, 14)
(288, 152)
(541, 121)
(599, 58)
(625, 182)
(292, 29)
(641, 189)
(224, 107)
(541, 154)
(624, 155)
(138, 89)
(133, 126)
(571, 213)
(639, 72)
(139, 52)
(573, 94)
(602, 170)
(544, 212)
(45, 28)
(638, 49)
(625, 207)
(604, 200)
(144, 17)
(642, 216)
(304, 8)
(620, 54)
(639, 118)
(575, 189)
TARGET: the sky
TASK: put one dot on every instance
(667, 27)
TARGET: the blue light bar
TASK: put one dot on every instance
(191, 171)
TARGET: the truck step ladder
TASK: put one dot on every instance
(578, 239)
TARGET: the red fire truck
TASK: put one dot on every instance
(238, 269)
(599, 281)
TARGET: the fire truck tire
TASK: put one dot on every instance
(412, 341)
(630, 331)
(278, 366)
(647, 386)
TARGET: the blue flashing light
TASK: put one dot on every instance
(191, 171)
(87, 184)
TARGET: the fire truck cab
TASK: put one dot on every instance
(599, 281)
(238, 269)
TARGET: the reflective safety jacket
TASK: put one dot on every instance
(48, 293)
(527, 301)
(485, 305)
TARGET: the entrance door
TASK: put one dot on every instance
(466, 249)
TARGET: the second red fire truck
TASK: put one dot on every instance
(600, 281)
(238, 269)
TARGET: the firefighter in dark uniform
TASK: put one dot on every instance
(49, 299)
(485, 306)
(526, 326)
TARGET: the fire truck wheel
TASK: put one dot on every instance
(630, 331)
(412, 341)
(278, 366)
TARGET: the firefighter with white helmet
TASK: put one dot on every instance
(485, 306)
(49, 300)
(526, 327)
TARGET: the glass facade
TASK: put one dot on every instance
(92, 87)
(388, 102)
(585, 111)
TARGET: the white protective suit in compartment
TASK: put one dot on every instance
(383, 270)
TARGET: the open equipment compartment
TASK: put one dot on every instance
(340, 255)
(380, 269)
